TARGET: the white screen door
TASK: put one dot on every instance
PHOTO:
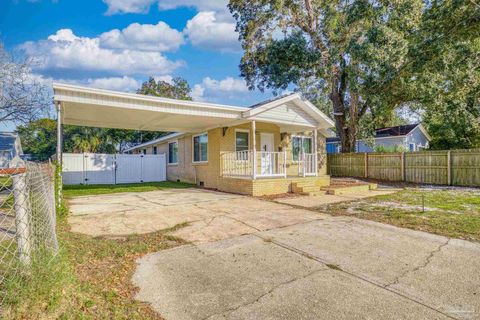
(266, 145)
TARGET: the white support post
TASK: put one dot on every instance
(284, 164)
(315, 150)
(254, 153)
(22, 217)
(59, 153)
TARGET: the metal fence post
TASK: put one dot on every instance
(49, 188)
(22, 217)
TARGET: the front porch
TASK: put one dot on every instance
(271, 186)
(252, 164)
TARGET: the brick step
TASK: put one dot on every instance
(339, 190)
(344, 181)
(304, 189)
(316, 193)
(305, 183)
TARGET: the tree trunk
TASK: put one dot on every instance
(346, 128)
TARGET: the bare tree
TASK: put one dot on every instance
(22, 97)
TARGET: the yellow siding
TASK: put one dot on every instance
(209, 173)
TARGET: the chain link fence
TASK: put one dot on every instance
(27, 218)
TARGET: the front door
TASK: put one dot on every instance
(267, 156)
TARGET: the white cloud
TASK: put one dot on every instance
(143, 6)
(228, 84)
(218, 90)
(167, 78)
(128, 6)
(124, 83)
(198, 92)
(200, 5)
(145, 37)
(66, 51)
(204, 31)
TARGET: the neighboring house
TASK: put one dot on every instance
(270, 148)
(411, 137)
(10, 148)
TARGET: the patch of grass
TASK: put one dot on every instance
(86, 190)
(89, 279)
(453, 213)
(41, 289)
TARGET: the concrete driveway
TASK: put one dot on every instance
(252, 259)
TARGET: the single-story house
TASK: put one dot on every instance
(273, 147)
(410, 137)
(10, 148)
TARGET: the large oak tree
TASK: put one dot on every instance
(359, 56)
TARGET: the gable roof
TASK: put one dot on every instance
(396, 131)
(155, 141)
(291, 99)
(110, 109)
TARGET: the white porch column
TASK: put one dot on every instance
(59, 154)
(59, 133)
(254, 153)
(315, 142)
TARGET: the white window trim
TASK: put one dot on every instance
(303, 137)
(168, 153)
(193, 148)
(235, 138)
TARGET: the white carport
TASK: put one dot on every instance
(87, 106)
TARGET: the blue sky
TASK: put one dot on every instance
(116, 44)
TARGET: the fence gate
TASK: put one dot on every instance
(93, 168)
(99, 168)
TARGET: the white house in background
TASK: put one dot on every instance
(410, 137)
(10, 148)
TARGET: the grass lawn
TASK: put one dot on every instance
(91, 276)
(450, 212)
(86, 190)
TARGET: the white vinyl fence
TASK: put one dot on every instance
(94, 168)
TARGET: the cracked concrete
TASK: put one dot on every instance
(254, 259)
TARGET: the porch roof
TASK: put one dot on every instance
(87, 106)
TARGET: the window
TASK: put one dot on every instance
(411, 147)
(301, 144)
(173, 152)
(241, 144)
(200, 148)
(155, 150)
(241, 140)
(144, 151)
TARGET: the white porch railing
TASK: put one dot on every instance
(237, 164)
(271, 164)
(307, 164)
(241, 164)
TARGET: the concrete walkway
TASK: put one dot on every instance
(253, 259)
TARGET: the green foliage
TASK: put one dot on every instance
(84, 190)
(39, 137)
(39, 290)
(179, 89)
(365, 59)
(389, 149)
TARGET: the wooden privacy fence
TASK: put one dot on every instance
(453, 167)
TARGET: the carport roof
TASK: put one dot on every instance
(87, 106)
